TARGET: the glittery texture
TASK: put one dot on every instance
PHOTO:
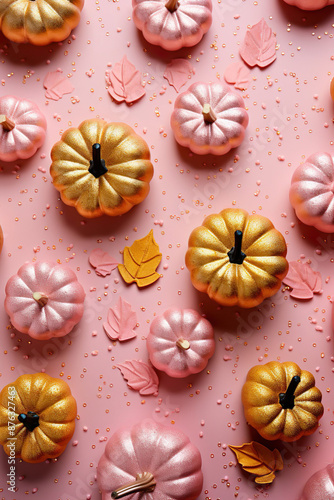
(51, 399)
(185, 324)
(320, 486)
(202, 137)
(310, 5)
(64, 294)
(151, 447)
(258, 460)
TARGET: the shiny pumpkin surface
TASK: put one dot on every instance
(262, 407)
(312, 192)
(39, 22)
(54, 409)
(128, 169)
(1, 239)
(310, 4)
(152, 448)
(244, 284)
(320, 486)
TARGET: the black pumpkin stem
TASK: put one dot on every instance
(30, 420)
(97, 166)
(287, 399)
(236, 255)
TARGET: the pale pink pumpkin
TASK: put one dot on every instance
(310, 4)
(180, 342)
(44, 300)
(312, 192)
(150, 461)
(172, 24)
(320, 486)
(22, 128)
(209, 118)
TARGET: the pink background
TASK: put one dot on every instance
(290, 99)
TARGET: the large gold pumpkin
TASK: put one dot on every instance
(37, 417)
(101, 168)
(281, 401)
(236, 258)
(39, 22)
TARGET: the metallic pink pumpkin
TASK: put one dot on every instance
(320, 486)
(172, 24)
(22, 128)
(209, 118)
(310, 4)
(44, 300)
(150, 462)
(180, 342)
(312, 192)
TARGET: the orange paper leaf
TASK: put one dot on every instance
(141, 261)
(259, 460)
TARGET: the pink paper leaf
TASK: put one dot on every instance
(303, 280)
(140, 377)
(124, 81)
(178, 72)
(56, 85)
(102, 262)
(237, 74)
(121, 322)
(258, 47)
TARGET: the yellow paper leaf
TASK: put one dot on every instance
(265, 479)
(141, 261)
(259, 460)
(279, 460)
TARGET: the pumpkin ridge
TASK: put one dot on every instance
(316, 167)
(86, 160)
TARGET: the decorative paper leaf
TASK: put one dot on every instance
(178, 72)
(141, 261)
(125, 82)
(259, 460)
(237, 74)
(303, 280)
(56, 85)
(102, 262)
(140, 377)
(258, 47)
(121, 322)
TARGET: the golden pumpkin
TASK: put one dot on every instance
(281, 401)
(101, 168)
(236, 258)
(37, 417)
(39, 22)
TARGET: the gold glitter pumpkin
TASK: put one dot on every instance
(37, 417)
(281, 401)
(236, 258)
(101, 168)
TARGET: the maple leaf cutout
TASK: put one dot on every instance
(124, 81)
(259, 45)
(303, 280)
(121, 321)
(140, 377)
(102, 262)
(259, 460)
(178, 72)
(141, 261)
(237, 74)
(56, 85)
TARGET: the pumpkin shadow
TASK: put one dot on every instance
(306, 18)
(202, 162)
(10, 167)
(314, 239)
(22, 54)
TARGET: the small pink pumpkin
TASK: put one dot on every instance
(22, 128)
(44, 300)
(320, 486)
(172, 24)
(312, 192)
(209, 118)
(310, 4)
(150, 462)
(180, 342)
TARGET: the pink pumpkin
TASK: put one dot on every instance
(44, 300)
(172, 24)
(312, 192)
(150, 462)
(320, 486)
(180, 342)
(209, 118)
(310, 4)
(22, 128)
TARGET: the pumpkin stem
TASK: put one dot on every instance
(172, 5)
(6, 123)
(40, 298)
(144, 482)
(236, 255)
(30, 420)
(97, 166)
(183, 344)
(287, 399)
(208, 114)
